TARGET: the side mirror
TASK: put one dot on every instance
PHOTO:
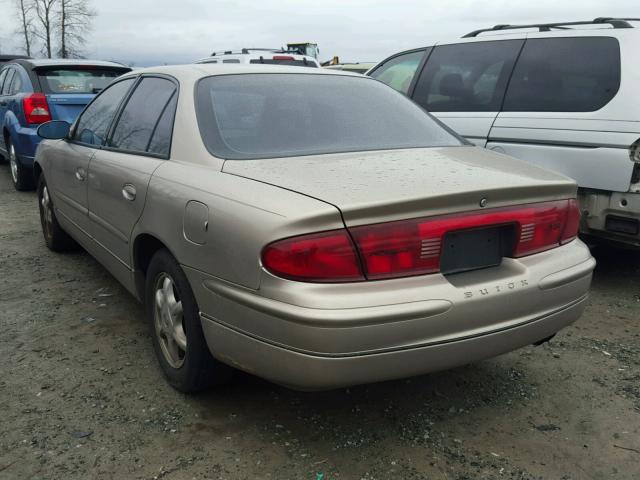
(54, 130)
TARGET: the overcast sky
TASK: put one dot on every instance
(150, 32)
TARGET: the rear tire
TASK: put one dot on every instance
(54, 236)
(174, 321)
(21, 177)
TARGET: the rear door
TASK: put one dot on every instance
(5, 84)
(70, 165)
(566, 109)
(119, 174)
(70, 88)
(463, 84)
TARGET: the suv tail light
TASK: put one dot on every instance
(413, 247)
(36, 108)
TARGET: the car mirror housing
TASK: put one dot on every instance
(54, 130)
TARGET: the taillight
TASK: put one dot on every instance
(414, 247)
(572, 225)
(321, 257)
(36, 108)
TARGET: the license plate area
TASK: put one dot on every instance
(477, 248)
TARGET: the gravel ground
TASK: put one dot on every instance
(81, 396)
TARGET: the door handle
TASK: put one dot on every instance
(81, 174)
(129, 192)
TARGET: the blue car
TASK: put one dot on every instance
(36, 91)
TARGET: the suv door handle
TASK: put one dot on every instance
(129, 192)
(81, 174)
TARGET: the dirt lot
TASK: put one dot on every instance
(81, 395)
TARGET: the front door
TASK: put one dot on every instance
(463, 84)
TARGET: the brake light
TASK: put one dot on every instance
(36, 108)
(282, 57)
(572, 225)
(414, 247)
(321, 257)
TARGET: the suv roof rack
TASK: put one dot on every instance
(546, 27)
(244, 51)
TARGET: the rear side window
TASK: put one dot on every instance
(60, 80)
(467, 77)
(16, 84)
(93, 124)
(7, 82)
(400, 70)
(143, 114)
(580, 74)
(3, 74)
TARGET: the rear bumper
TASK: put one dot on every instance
(314, 336)
(599, 205)
(26, 142)
(305, 371)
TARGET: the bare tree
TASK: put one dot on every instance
(25, 15)
(74, 22)
(45, 24)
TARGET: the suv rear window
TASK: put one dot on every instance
(280, 115)
(575, 74)
(67, 80)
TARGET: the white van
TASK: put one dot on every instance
(261, 56)
(564, 96)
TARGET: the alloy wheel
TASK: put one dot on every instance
(13, 162)
(169, 321)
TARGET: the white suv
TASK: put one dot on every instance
(261, 56)
(564, 96)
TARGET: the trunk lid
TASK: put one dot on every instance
(372, 187)
(67, 106)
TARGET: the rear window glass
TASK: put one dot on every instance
(76, 80)
(278, 115)
(291, 63)
(580, 74)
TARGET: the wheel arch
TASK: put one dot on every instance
(145, 246)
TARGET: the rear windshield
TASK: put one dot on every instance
(62, 80)
(279, 115)
(291, 63)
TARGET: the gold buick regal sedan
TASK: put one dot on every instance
(312, 227)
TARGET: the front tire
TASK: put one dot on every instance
(54, 236)
(174, 320)
(21, 177)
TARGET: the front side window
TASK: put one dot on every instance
(278, 115)
(574, 74)
(77, 80)
(400, 70)
(467, 77)
(142, 115)
(93, 125)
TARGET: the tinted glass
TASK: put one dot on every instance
(399, 71)
(565, 75)
(7, 82)
(232, 60)
(161, 138)
(3, 74)
(278, 115)
(467, 77)
(76, 80)
(93, 124)
(140, 116)
(16, 84)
